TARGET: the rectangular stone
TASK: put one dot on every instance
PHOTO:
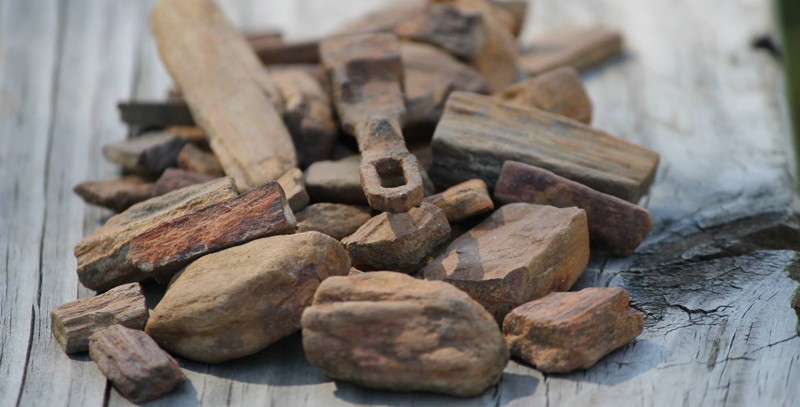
(580, 48)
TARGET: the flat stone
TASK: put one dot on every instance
(240, 300)
(518, 254)
(148, 154)
(336, 181)
(398, 241)
(463, 200)
(563, 332)
(335, 220)
(173, 179)
(192, 158)
(389, 331)
(294, 186)
(115, 194)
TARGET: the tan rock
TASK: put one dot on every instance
(578, 47)
(115, 194)
(563, 332)
(558, 91)
(390, 331)
(294, 186)
(173, 179)
(192, 158)
(335, 220)
(335, 181)
(463, 200)
(398, 241)
(238, 301)
(518, 254)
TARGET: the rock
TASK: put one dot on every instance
(559, 91)
(192, 158)
(294, 186)
(614, 224)
(103, 261)
(518, 254)
(464, 200)
(563, 332)
(580, 48)
(155, 114)
(134, 364)
(74, 322)
(259, 212)
(335, 220)
(173, 179)
(116, 194)
(238, 301)
(149, 154)
(478, 133)
(398, 241)
(389, 331)
(336, 181)
(796, 306)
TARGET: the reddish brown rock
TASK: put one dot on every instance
(294, 187)
(558, 91)
(464, 200)
(259, 212)
(335, 220)
(134, 364)
(580, 48)
(174, 178)
(116, 194)
(390, 331)
(518, 254)
(563, 332)
(192, 158)
(74, 322)
(238, 301)
(614, 224)
(398, 241)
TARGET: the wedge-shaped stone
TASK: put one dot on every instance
(74, 322)
(559, 91)
(103, 260)
(614, 224)
(173, 179)
(478, 133)
(335, 220)
(115, 194)
(149, 154)
(192, 158)
(563, 332)
(294, 187)
(518, 254)
(398, 241)
(390, 331)
(259, 212)
(134, 363)
(464, 200)
(238, 301)
(580, 48)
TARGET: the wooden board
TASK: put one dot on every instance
(719, 328)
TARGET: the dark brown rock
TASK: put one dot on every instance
(148, 154)
(192, 158)
(389, 331)
(558, 91)
(614, 224)
(174, 178)
(115, 194)
(155, 114)
(463, 200)
(335, 220)
(563, 332)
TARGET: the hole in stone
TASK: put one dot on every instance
(390, 172)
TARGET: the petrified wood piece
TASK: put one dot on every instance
(238, 301)
(226, 89)
(390, 331)
(116, 194)
(614, 224)
(478, 133)
(464, 200)
(520, 253)
(294, 187)
(559, 91)
(192, 158)
(335, 220)
(335, 181)
(74, 322)
(563, 332)
(149, 154)
(259, 212)
(365, 73)
(102, 256)
(155, 114)
(398, 241)
(174, 178)
(580, 48)
(135, 365)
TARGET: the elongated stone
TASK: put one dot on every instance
(149, 154)
(464, 200)
(336, 181)
(103, 261)
(398, 241)
(74, 322)
(614, 224)
(563, 332)
(335, 220)
(559, 91)
(192, 158)
(518, 254)
(173, 179)
(155, 114)
(115, 194)
(390, 331)
(240, 300)
(134, 363)
(259, 212)
(580, 48)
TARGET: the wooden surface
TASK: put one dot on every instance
(711, 279)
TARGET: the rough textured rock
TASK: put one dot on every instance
(294, 187)
(259, 212)
(173, 179)
(478, 133)
(563, 332)
(580, 48)
(116, 194)
(558, 91)
(398, 241)
(192, 158)
(74, 322)
(335, 181)
(614, 224)
(102, 256)
(518, 254)
(464, 200)
(238, 301)
(134, 364)
(389, 331)
(149, 154)
(335, 220)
